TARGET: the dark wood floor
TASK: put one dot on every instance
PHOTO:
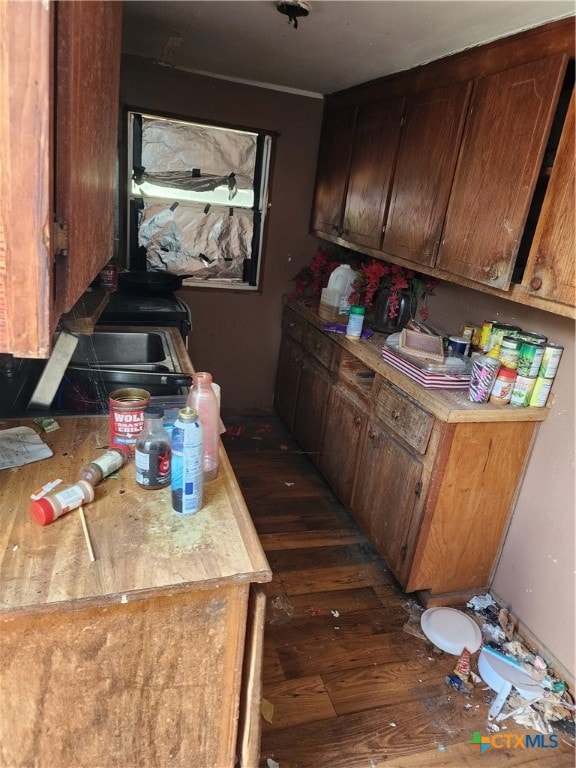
(345, 685)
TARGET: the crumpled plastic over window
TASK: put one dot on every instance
(188, 238)
(187, 241)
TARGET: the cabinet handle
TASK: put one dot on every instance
(357, 421)
(371, 434)
(395, 415)
(493, 274)
(536, 283)
(404, 552)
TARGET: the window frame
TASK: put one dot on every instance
(128, 216)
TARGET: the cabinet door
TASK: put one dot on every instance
(431, 135)
(341, 443)
(57, 158)
(88, 78)
(386, 499)
(332, 172)
(311, 406)
(376, 139)
(550, 272)
(287, 379)
(500, 157)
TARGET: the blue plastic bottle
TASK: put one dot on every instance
(187, 470)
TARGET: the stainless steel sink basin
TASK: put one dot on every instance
(120, 348)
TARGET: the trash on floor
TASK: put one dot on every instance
(451, 630)
(272, 763)
(282, 610)
(267, 710)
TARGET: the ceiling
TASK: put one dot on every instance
(340, 43)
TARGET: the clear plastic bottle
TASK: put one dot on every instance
(104, 465)
(153, 451)
(203, 399)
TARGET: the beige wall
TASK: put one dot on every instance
(535, 573)
(236, 337)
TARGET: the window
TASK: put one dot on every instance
(197, 197)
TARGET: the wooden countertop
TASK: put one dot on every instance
(140, 545)
(451, 406)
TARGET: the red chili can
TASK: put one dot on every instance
(109, 278)
(127, 416)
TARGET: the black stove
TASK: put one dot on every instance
(162, 310)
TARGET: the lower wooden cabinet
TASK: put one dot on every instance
(344, 430)
(430, 478)
(387, 499)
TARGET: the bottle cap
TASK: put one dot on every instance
(154, 411)
(356, 310)
(42, 511)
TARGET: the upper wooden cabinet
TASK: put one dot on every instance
(373, 156)
(466, 202)
(355, 170)
(332, 171)
(59, 94)
(500, 157)
(550, 271)
(431, 134)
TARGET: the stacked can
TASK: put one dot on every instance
(530, 353)
(482, 378)
(546, 374)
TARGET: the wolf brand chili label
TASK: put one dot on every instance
(127, 416)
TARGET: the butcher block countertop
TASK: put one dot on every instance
(141, 546)
(452, 406)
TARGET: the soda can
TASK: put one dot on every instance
(540, 392)
(522, 392)
(482, 378)
(187, 472)
(550, 360)
(529, 358)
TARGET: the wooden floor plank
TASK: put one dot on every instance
(272, 542)
(350, 687)
(333, 655)
(338, 577)
(303, 700)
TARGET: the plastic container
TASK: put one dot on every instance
(503, 386)
(203, 400)
(187, 471)
(104, 465)
(153, 450)
(355, 322)
(48, 508)
(329, 304)
(341, 281)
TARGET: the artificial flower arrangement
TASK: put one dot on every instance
(373, 277)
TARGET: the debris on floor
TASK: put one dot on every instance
(272, 763)
(282, 610)
(267, 710)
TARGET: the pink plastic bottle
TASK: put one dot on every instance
(203, 399)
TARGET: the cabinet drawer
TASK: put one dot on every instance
(293, 325)
(321, 347)
(405, 418)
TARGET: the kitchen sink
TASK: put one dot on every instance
(121, 348)
(101, 363)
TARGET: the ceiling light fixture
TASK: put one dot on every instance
(294, 9)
